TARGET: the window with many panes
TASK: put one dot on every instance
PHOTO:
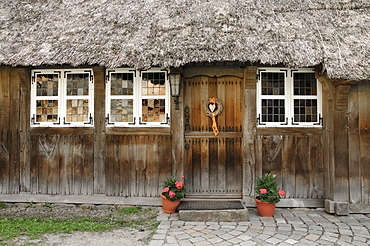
(137, 98)
(288, 97)
(62, 97)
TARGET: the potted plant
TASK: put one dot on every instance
(173, 191)
(268, 195)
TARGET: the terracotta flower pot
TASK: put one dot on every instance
(168, 206)
(265, 209)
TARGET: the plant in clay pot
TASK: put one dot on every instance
(173, 191)
(268, 195)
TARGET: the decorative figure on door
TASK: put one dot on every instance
(213, 108)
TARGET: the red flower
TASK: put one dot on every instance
(166, 189)
(263, 191)
(281, 193)
(182, 176)
(171, 194)
(179, 184)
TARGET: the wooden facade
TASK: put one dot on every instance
(313, 164)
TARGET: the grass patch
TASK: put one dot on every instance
(2, 205)
(35, 226)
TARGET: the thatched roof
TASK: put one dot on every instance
(144, 33)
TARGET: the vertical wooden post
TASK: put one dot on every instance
(249, 130)
(341, 151)
(24, 129)
(99, 132)
(177, 132)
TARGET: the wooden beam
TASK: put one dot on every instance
(99, 133)
(81, 199)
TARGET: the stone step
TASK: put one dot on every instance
(213, 210)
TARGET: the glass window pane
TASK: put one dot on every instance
(305, 84)
(77, 110)
(122, 84)
(153, 83)
(122, 110)
(78, 84)
(305, 110)
(273, 110)
(46, 110)
(47, 85)
(273, 83)
(153, 110)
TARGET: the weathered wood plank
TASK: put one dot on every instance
(288, 167)
(24, 128)
(249, 130)
(204, 165)
(364, 130)
(14, 168)
(5, 138)
(354, 146)
(341, 154)
(99, 130)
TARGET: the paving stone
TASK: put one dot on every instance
(312, 237)
(156, 243)
(185, 243)
(196, 239)
(234, 241)
(248, 243)
(291, 241)
(273, 240)
(244, 237)
(159, 236)
(226, 236)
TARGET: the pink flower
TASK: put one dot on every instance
(182, 176)
(263, 191)
(281, 193)
(179, 184)
(166, 189)
(171, 194)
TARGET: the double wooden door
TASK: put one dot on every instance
(213, 164)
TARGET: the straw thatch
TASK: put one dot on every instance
(144, 33)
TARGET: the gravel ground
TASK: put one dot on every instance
(121, 236)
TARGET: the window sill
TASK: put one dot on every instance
(290, 130)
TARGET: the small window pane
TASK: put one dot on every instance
(122, 84)
(77, 84)
(273, 83)
(122, 110)
(46, 110)
(153, 83)
(305, 84)
(273, 110)
(305, 110)
(153, 110)
(77, 110)
(47, 85)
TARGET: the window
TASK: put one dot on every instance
(288, 97)
(61, 97)
(137, 98)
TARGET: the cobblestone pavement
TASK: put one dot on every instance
(287, 227)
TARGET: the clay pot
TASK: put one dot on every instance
(265, 209)
(168, 206)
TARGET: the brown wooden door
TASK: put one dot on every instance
(213, 164)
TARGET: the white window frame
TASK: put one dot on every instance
(288, 97)
(62, 98)
(137, 98)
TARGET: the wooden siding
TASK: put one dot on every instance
(137, 165)
(359, 143)
(62, 164)
(296, 160)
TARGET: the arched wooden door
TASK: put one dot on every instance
(213, 164)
